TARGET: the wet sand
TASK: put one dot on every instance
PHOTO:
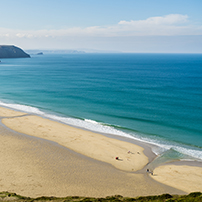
(39, 159)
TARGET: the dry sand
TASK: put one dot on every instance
(99, 147)
(186, 178)
(82, 163)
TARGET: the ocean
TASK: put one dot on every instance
(154, 98)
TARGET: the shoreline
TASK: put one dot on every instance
(126, 169)
(156, 147)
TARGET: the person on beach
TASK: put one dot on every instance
(148, 171)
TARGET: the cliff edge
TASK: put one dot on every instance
(12, 52)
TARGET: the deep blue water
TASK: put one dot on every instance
(153, 97)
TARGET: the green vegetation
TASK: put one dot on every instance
(192, 197)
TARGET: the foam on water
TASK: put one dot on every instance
(89, 125)
(86, 123)
(23, 108)
(160, 146)
(183, 149)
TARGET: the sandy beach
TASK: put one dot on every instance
(87, 143)
(42, 157)
(183, 177)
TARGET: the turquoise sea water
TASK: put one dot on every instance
(156, 98)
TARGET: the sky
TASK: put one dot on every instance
(139, 26)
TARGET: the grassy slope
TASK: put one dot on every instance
(192, 197)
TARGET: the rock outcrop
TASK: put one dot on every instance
(40, 53)
(12, 52)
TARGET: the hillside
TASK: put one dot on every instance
(12, 52)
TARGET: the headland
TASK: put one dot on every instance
(7, 51)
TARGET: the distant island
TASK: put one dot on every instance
(40, 52)
(7, 51)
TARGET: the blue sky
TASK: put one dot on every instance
(111, 25)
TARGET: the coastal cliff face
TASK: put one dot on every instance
(12, 52)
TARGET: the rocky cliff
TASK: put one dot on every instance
(12, 52)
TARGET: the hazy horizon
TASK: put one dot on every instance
(111, 26)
